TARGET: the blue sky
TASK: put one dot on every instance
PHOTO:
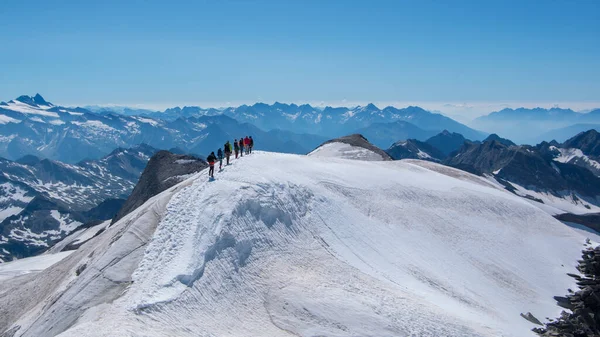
(159, 53)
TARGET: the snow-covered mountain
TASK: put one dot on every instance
(338, 121)
(288, 245)
(546, 174)
(582, 150)
(42, 201)
(30, 125)
(123, 110)
(329, 121)
(354, 146)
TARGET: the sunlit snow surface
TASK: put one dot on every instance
(28, 265)
(346, 151)
(286, 245)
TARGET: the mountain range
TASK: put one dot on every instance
(559, 177)
(31, 125)
(531, 126)
(42, 201)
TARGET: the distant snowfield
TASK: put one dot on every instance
(5, 120)
(567, 155)
(345, 151)
(287, 245)
(38, 263)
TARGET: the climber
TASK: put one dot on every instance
(220, 156)
(236, 148)
(247, 144)
(227, 151)
(211, 159)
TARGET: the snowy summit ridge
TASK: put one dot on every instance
(354, 146)
(289, 245)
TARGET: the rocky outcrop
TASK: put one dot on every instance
(528, 167)
(588, 142)
(590, 220)
(164, 170)
(359, 140)
(447, 142)
(414, 149)
(499, 139)
(584, 317)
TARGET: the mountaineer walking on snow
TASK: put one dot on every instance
(220, 156)
(241, 142)
(251, 144)
(247, 144)
(227, 151)
(211, 159)
(236, 148)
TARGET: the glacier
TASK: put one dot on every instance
(291, 245)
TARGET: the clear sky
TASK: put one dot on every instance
(164, 53)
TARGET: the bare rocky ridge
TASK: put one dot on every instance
(164, 170)
(415, 149)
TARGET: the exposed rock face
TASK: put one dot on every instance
(447, 142)
(164, 170)
(414, 149)
(358, 140)
(588, 142)
(526, 166)
(584, 319)
(499, 139)
(590, 220)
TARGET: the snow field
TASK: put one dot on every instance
(286, 245)
(346, 151)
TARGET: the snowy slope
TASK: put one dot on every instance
(577, 157)
(346, 151)
(29, 265)
(286, 245)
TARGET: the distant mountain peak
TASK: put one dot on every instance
(28, 159)
(495, 137)
(39, 100)
(26, 99)
(591, 132)
(34, 101)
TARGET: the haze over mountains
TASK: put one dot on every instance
(531, 126)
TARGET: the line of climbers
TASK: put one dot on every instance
(239, 147)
